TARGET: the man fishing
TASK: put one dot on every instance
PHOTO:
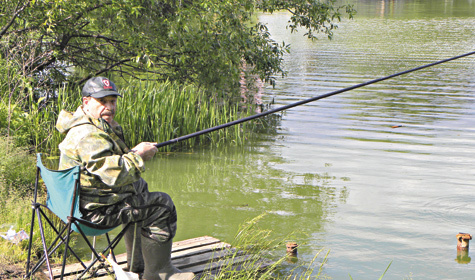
(112, 190)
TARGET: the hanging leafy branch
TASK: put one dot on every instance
(313, 15)
(203, 41)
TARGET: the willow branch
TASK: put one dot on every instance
(14, 16)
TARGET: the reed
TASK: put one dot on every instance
(149, 111)
(258, 246)
(157, 112)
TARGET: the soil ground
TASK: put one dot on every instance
(11, 271)
(17, 271)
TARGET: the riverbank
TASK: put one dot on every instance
(253, 254)
(11, 271)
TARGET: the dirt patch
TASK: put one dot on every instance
(11, 271)
(17, 271)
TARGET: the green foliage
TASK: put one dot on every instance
(34, 125)
(15, 88)
(42, 117)
(17, 169)
(254, 247)
(312, 15)
(13, 122)
(17, 179)
(208, 42)
(50, 44)
(157, 112)
(148, 111)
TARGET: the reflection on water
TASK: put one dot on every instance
(406, 143)
(377, 175)
(410, 9)
(216, 191)
(463, 257)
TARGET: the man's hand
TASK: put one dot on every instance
(146, 150)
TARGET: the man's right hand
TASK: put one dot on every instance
(146, 150)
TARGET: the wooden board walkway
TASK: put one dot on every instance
(199, 255)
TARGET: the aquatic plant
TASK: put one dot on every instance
(255, 250)
(157, 112)
(148, 111)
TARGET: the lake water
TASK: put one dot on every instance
(378, 175)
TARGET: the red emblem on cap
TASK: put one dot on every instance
(107, 84)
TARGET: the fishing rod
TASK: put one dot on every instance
(198, 133)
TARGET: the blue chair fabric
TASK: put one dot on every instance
(62, 197)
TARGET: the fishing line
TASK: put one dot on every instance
(198, 133)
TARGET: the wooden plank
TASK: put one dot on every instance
(193, 242)
(228, 262)
(187, 248)
(203, 258)
(199, 255)
(199, 250)
(180, 249)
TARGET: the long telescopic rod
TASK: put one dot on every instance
(198, 133)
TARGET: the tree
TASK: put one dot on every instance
(203, 41)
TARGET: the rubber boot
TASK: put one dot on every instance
(134, 253)
(158, 265)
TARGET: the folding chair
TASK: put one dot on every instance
(63, 200)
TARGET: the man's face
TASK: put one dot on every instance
(104, 107)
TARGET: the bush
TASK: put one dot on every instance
(17, 169)
(17, 178)
(14, 123)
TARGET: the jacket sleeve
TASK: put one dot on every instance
(96, 153)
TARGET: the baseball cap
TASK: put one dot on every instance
(99, 87)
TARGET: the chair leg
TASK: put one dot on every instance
(111, 245)
(95, 255)
(60, 236)
(30, 241)
(66, 248)
(43, 240)
(52, 248)
(111, 250)
(34, 208)
(94, 247)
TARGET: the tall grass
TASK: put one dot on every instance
(256, 247)
(17, 179)
(157, 112)
(148, 111)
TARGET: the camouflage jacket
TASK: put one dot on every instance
(109, 167)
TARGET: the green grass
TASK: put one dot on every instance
(148, 111)
(259, 245)
(158, 112)
(17, 179)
